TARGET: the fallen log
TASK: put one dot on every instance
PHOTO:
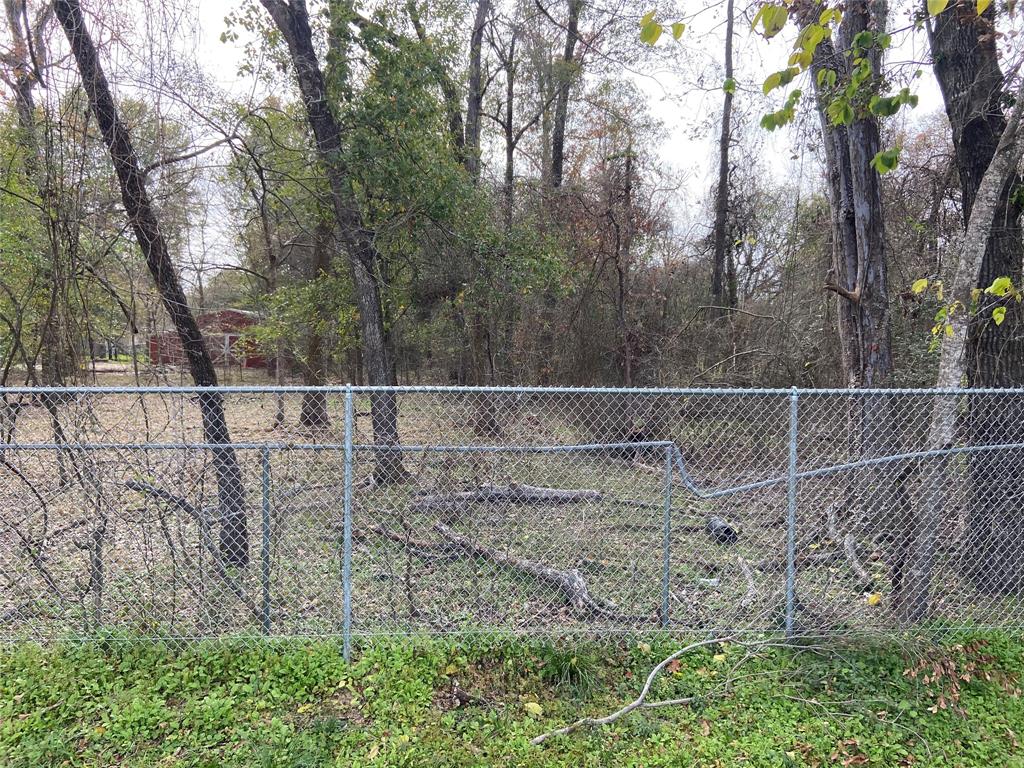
(570, 584)
(509, 494)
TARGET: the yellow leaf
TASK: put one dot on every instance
(949, 330)
(533, 708)
(983, 6)
(935, 7)
(718, 658)
(919, 285)
(451, 669)
(874, 598)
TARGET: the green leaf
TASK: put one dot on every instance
(883, 106)
(886, 160)
(1000, 286)
(983, 6)
(935, 7)
(863, 39)
(772, 18)
(647, 19)
(677, 29)
(650, 33)
(840, 112)
(999, 315)
(729, 86)
(533, 708)
(773, 81)
(919, 285)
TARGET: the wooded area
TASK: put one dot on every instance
(483, 194)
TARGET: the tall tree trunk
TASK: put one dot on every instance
(508, 126)
(475, 94)
(449, 90)
(966, 64)
(623, 226)
(912, 602)
(234, 540)
(314, 368)
(292, 19)
(721, 246)
(273, 275)
(860, 281)
(565, 77)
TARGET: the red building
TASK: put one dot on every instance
(222, 332)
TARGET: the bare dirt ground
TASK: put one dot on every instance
(82, 548)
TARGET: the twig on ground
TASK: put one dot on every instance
(637, 703)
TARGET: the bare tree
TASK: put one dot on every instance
(722, 248)
(566, 76)
(234, 542)
(476, 89)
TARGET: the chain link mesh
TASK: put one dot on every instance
(357, 511)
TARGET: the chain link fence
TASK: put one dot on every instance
(354, 511)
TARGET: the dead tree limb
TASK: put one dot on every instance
(509, 494)
(849, 544)
(570, 584)
(204, 520)
(425, 550)
(637, 703)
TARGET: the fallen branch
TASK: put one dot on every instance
(509, 494)
(422, 549)
(211, 548)
(850, 548)
(570, 583)
(849, 543)
(637, 703)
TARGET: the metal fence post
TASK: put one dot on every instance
(666, 540)
(265, 551)
(346, 555)
(791, 516)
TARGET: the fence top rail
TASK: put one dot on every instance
(341, 389)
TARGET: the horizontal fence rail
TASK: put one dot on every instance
(357, 511)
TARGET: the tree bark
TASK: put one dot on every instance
(721, 246)
(234, 541)
(912, 601)
(292, 20)
(966, 64)
(859, 277)
(565, 79)
(313, 413)
(475, 95)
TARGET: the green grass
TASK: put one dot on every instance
(134, 703)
